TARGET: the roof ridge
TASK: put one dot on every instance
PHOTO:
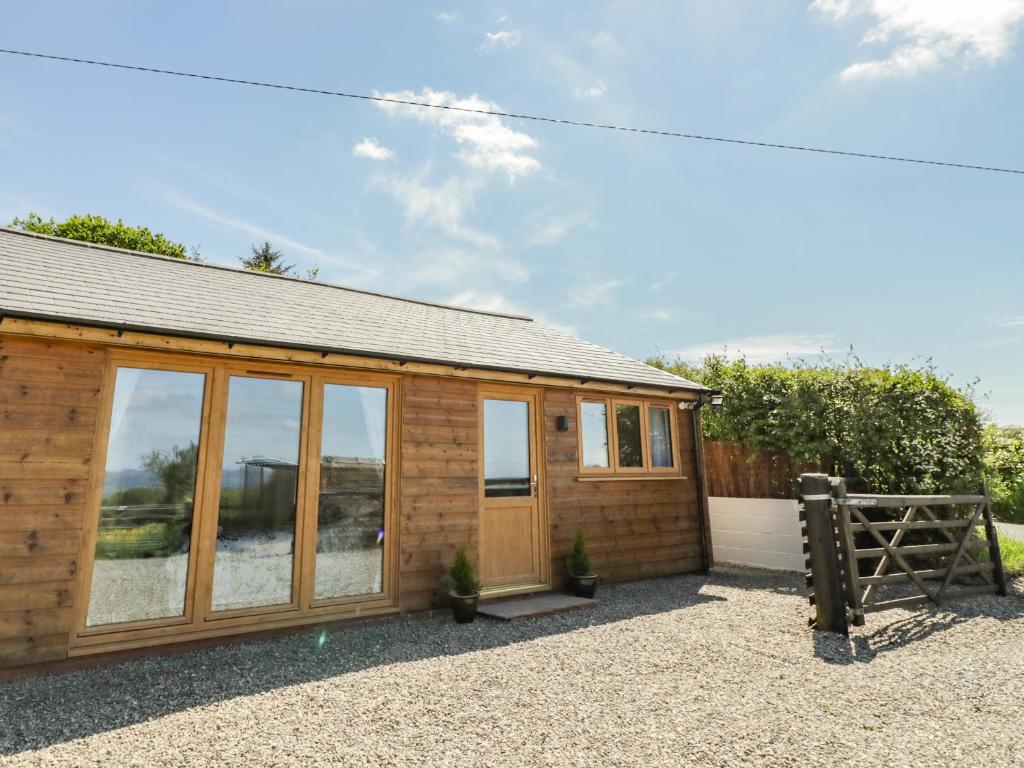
(238, 270)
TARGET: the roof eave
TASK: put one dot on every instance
(683, 386)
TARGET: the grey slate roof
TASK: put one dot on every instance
(55, 279)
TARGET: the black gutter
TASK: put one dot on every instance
(323, 351)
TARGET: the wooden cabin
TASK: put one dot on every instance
(191, 451)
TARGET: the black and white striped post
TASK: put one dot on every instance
(824, 575)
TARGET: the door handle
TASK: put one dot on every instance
(533, 485)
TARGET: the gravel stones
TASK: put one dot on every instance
(716, 670)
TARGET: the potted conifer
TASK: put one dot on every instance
(582, 579)
(464, 588)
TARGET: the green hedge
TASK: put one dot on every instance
(1004, 471)
(902, 429)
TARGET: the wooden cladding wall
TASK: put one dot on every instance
(49, 401)
(440, 484)
(49, 397)
(633, 528)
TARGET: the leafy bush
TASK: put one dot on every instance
(1004, 471)
(903, 429)
(578, 561)
(462, 577)
(96, 229)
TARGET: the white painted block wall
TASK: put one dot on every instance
(760, 532)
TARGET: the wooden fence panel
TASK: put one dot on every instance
(738, 471)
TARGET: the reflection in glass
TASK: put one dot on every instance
(594, 427)
(506, 448)
(660, 434)
(149, 482)
(259, 482)
(627, 428)
(350, 520)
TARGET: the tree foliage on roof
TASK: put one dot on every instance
(91, 228)
(904, 429)
(265, 258)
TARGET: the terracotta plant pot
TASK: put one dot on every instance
(583, 586)
(464, 607)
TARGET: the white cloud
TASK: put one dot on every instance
(506, 38)
(592, 293)
(486, 141)
(924, 34)
(606, 43)
(488, 301)
(457, 267)
(660, 285)
(765, 349)
(547, 227)
(659, 314)
(369, 148)
(997, 343)
(257, 232)
(1013, 322)
(596, 91)
(447, 17)
(442, 206)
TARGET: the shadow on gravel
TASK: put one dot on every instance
(40, 711)
(882, 634)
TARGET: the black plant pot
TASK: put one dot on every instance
(583, 586)
(464, 607)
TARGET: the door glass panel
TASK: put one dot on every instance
(627, 429)
(506, 448)
(594, 428)
(350, 518)
(259, 482)
(660, 437)
(142, 544)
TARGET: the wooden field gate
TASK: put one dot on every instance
(847, 532)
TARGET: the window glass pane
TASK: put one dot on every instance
(594, 434)
(259, 480)
(149, 482)
(350, 520)
(506, 448)
(627, 429)
(660, 437)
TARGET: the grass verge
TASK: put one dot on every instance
(1012, 552)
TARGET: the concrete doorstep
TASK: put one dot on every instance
(532, 605)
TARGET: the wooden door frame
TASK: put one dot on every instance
(534, 396)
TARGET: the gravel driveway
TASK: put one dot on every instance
(715, 670)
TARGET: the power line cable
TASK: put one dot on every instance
(514, 115)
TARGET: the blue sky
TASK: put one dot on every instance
(639, 243)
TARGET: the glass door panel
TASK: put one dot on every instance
(350, 516)
(253, 564)
(506, 448)
(140, 568)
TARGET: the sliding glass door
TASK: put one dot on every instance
(227, 494)
(142, 549)
(259, 479)
(350, 500)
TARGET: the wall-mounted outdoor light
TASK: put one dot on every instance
(716, 401)
(562, 423)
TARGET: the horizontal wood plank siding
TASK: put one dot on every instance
(439, 488)
(634, 528)
(49, 406)
(49, 397)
